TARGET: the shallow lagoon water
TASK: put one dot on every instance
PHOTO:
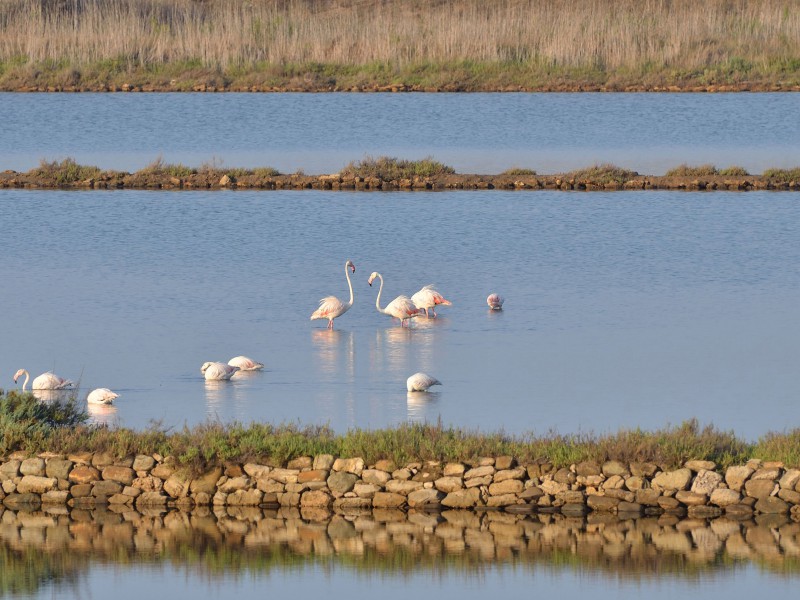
(623, 309)
(483, 133)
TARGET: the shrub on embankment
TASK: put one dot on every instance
(33, 427)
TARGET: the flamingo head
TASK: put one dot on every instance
(18, 374)
(350, 264)
(372, 277)
(204, 367)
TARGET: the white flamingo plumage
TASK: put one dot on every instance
(245, 364)
(495, 301)
(101, 396)
(400, 308)
(331, 307)
(420, 382)
(217, 371)
(429, 298)
(45, 381)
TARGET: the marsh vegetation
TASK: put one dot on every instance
(398, 44)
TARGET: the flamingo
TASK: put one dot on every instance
(420, 382)
(331, 307)
(428, 298)
(400, 308)
(216, 371)
(495, 301)
(101, 396)
(45, 381)
(245, 364)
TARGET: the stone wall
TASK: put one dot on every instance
(698, 489)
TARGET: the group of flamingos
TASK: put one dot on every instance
(330, 307)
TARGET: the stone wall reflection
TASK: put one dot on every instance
(65, 541)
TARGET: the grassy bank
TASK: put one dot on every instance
(26, 424)
(461, 45)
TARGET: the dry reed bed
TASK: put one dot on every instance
(527, 43)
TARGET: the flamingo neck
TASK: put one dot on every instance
(378, 299)
(349, 283)
(24, 383)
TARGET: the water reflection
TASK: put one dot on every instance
(334, 351)
(418, 404)
(58, 544)
(102, 414)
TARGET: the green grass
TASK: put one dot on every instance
(34, 427)
(601, 174)
(685, 170)
(783, 175)
(390, 169)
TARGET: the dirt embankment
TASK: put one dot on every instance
(220, 180)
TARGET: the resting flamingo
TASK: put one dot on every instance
(428, 298)
(45, 381)
(420, 382)
(331, 307)
(495, 301)
(400, 308)
(216, 371)
(101, 396)
(245, 364)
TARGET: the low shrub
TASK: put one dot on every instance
(602, 174)
(29, 424)
(783, 175)
(519, 172)
(390, 169)
(158, 166)
(685, 170)
(64, 172)
(734, 171)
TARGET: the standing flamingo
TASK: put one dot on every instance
(420, 382)
(331, 307)
(400, 308)
(101, 396)
(245, 364)
(428, 298)
(45, 381)
(216, 371)
(495, 301)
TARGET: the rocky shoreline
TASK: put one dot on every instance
(698, 489)
(218, 179)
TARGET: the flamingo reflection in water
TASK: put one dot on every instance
(335, 350)
(102, 414)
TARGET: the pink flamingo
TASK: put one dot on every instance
(400, 308)
(245, 363)
(428, 298)
(495, 301)
(218, 371)
(331, 307)
(45, 381)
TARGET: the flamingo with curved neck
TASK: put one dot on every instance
(331, 307)
(400, 308)
(45, 381)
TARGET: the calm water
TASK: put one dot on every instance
(247, 552)
(622, 310)
(650, 133)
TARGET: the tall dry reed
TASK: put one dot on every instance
(595, 34)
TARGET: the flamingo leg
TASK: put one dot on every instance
(434, 312)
